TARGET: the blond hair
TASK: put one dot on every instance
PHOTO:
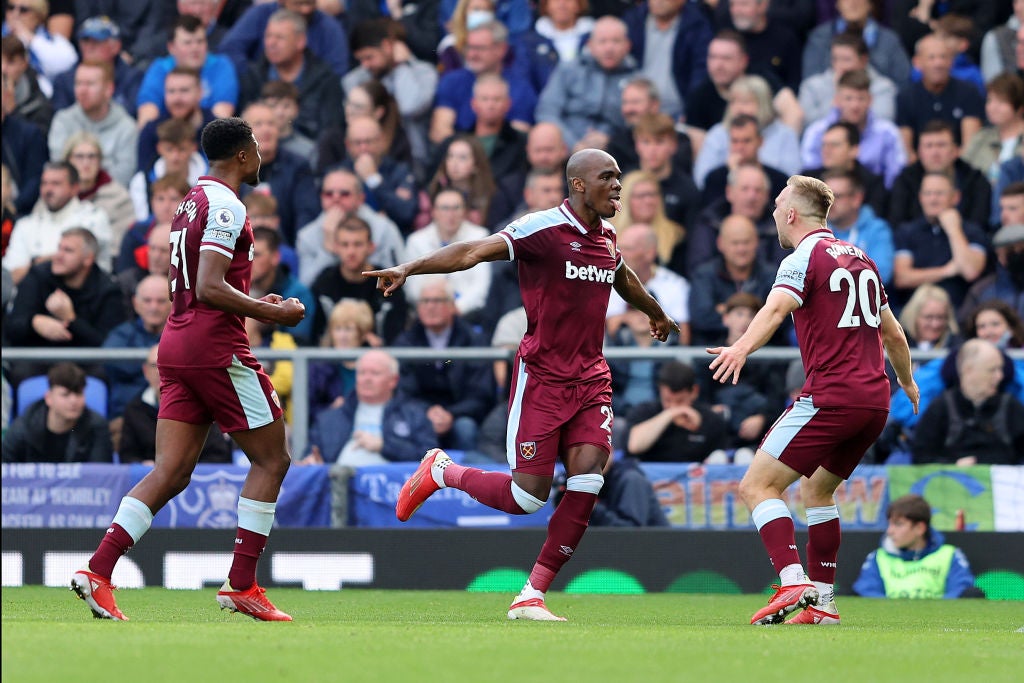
(351, 311)
(81, 137)
(912, 310)
(811, 197)
(668, 232)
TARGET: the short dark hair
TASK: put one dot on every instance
(732, 36)
(268, 235)
(938, 126)
(356, 224)
(175, 131)
(1013, 189)
(178, 183)
(62, 165)
(744, 300)
(852, 132)
(187, 23)
(842, 174)
(1008, 87)
(12, 47)
(676, 376)
(851, 39)
(223, 138)
(858, 79)
(912, 507)
(744, 120)
(67, 375)
(277, 90)
(372, 33)
(185, 71)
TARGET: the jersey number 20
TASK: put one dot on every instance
(178, 258)
(865, 295)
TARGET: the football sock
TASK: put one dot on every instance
(775, 525)
(493, 489)
(823, 538)
(255, 520)
(566, 528)
(115, 543)
(132, 520)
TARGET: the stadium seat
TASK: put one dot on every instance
(32, 389)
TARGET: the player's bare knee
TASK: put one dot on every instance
(275, 464)
(749, 492)
(537, 487)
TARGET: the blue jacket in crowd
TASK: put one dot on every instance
(939, 374)
(125, 378)
(874, 236)
(407, 432)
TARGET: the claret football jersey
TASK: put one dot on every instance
(841, 301)
(210, 218)
(566, 272)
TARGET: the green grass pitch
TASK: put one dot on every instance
(406, 636)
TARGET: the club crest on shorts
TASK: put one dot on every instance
(274, 397)
(528, 449)
(611, 247)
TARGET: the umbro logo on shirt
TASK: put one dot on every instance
(576, 246)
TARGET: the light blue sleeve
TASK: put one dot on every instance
(960, 577)
(152, 89)
(220, 82)
(224, 222)
(882, 249)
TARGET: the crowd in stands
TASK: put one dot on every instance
(388, 130)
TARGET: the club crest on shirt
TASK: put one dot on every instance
(528, 449)
(611, 247)
(224, 217)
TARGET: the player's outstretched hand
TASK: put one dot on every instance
(291, 313)
(728, 362)
(388, 279)
(662, 326)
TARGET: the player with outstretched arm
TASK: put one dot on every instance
(208, 373)
(561, 398)
(842, 319)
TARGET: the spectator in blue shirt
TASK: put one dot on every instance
(486, 47)
(853, 221)
(188, 48)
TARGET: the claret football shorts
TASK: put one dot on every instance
(545, 420)
(835, 437)
(237, 398)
